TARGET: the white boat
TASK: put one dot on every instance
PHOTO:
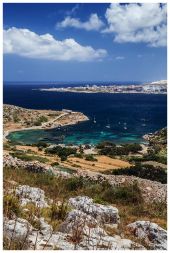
(94, 121)
(125, 128)
(108, 125)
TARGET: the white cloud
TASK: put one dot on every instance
(120, 58)
(138, 23)
(73, 10)
(94, 23)
(26, 43)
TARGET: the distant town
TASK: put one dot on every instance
(158, 87)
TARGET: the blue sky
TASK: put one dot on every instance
(84, 42)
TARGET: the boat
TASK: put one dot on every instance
(108, 125)
(94, 121)
(143, 124)
(125, 125)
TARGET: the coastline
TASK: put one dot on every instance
(79, 117)
(103, 92)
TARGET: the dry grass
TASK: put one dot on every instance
(103, 163)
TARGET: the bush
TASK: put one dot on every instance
(110, 149)
(78, 155)
(62, 152)
(75, 183)
(91, 158)
(124, 194)
(144, 171)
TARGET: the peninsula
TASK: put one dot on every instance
(17, 118)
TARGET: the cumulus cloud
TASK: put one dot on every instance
(94, 23)
(138, 23)
(24, 42)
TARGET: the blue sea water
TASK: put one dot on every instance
(139, 113)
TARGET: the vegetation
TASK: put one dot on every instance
(111, 149)
(126, 198)
(158, 146)
(62, 152)
(21, 155)
(11, 206)
(91, 158)
(144, 171)
(40, 120)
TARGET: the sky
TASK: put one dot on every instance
(84, 42)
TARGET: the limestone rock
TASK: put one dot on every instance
(103, 214)
(153, 235)
(18, 227)
(29, 194)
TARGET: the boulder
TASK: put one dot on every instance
(154, 236)
(29, 194)
(104, 214)
(17, 228)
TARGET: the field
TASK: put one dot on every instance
(103, 163)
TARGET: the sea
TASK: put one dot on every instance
(120, 118)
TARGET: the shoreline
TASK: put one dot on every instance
(49, 124)
(102, 92)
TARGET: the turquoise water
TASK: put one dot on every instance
(53, 136)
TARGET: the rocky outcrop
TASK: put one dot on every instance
(45, 238)
(34, 166)
(83, 227)
(152, 191)
(29, 194)
(153, 236)
(103, 214)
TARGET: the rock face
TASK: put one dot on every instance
(103, 214)
(154, 236)
(29, 194)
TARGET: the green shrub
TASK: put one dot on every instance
(75, 183)
(91, 158)
(144, 171)
(62, 152)
(123, 194)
